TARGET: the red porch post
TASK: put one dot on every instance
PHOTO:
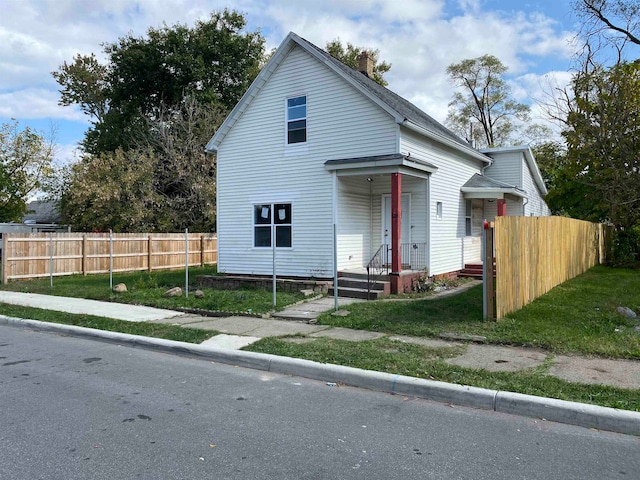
(502, 207)
(396, 216)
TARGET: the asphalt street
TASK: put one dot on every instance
(72, 408)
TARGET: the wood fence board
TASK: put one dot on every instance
(534, 254)
(29, 255)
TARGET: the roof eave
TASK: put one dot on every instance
(480, 192)
(444, 140)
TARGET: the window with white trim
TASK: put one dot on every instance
(268, 216)
(296, 120)
(468, 212)
(439, 210)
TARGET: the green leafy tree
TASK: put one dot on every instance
(603, 141)
(164, 183)
(349, 56)
(214, 62)
(113, 190)
(25, 159)
(484, 111)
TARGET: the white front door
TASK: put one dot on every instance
(405, 226)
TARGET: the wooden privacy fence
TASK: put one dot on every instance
(534, 254)
(33, 255)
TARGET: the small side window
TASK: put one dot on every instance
(439, 210)
(468, 212)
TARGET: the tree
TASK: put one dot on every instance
(25, 158)
(164, 183)
(608, 23)
(214, 62)
(485, 111)
(349, 56)
(603, 141)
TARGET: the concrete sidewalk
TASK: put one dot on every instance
(236, 332)
(118, 311)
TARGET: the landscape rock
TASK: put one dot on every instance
(198, 294)
(341, 313)
(637, 328)
(120, 288)
(626, 311)
(173, 292)
(307, 292)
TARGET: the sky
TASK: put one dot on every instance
(420, 38)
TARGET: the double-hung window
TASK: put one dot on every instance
(267, 217)
(468, 212)
(296, 120)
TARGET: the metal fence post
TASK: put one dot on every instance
(111, 260)
(51, 259)
(186, 261)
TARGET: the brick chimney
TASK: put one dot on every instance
(366, 63)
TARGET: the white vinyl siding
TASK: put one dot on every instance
(354, 211)
(448, 249)
(512, 168)
(536, 206)
(253, 167)
(506, 167)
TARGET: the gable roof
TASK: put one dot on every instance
(403, 111)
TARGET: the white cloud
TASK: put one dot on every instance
(36, 103)
(416, 36)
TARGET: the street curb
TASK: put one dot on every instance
(562, 411)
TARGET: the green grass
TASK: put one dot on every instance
(146, 288)
(418, 361)
(578, 316)
(147, 329)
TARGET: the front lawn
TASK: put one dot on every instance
(146, 288)
(578, 316)
(147, 329)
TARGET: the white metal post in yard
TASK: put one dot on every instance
(111, 259)
(186, 262)
(51, 259)
(335, 267)
(273, 249)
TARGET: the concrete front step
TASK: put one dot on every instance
(351, 292)
(362, 276)
(361, 283)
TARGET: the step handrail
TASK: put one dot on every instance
(375, 268)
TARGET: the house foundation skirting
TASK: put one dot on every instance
(231, 282)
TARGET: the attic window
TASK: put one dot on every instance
(297, 120)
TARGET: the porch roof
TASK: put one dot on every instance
(480, 186)
(381, 164)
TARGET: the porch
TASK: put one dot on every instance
(381, 217)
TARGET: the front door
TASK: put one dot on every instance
(405, 227)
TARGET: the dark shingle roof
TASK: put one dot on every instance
(43, 212)
(405, 108)
(481, 181)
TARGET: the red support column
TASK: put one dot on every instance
(396, 226)
(502, 208)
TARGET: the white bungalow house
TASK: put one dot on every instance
(314, 146)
